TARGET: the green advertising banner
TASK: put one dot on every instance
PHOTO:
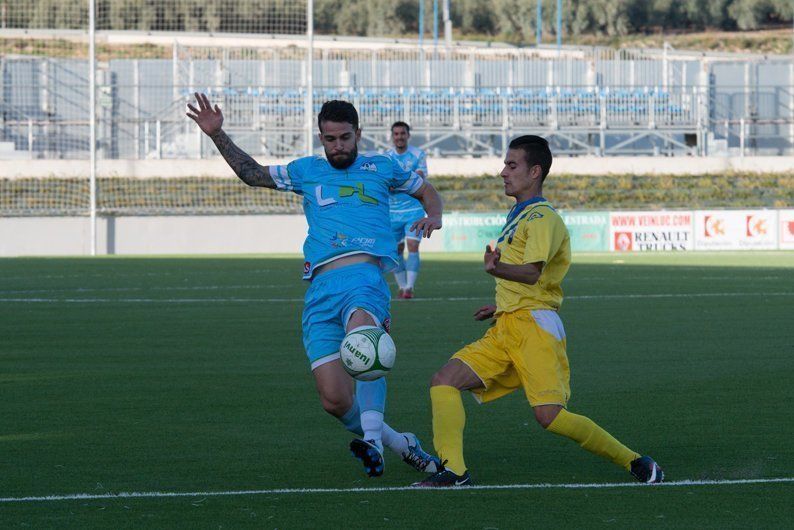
(589, 230)
(470, 232)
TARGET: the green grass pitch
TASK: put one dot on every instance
(188, 375)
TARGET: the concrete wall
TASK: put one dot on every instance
(220, 234)
(584, 165)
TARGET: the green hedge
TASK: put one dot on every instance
(150, 196)
(730, 190)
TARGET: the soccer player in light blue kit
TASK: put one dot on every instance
(345, 200)
(406, 210)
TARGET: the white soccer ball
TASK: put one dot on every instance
(367, 353)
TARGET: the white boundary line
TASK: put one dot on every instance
(288, 491)
(415, 300)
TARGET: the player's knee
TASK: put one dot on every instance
(336, 406)
(445, 377)
(439, 379)
(413, 246)
(546, 414)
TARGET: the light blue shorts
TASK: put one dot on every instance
(401, 225)
(332, 297)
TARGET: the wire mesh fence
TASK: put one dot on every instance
(251, 57)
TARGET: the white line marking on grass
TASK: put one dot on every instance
(284, 286)
(128, 289)
(413, 301)
(303, 491)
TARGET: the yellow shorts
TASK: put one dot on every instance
(526, 349)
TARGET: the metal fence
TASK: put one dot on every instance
(462, 101)
(80, 81)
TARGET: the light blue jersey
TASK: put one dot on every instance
(347, 209)
(413, 159)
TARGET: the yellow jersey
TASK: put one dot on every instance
(534, 232)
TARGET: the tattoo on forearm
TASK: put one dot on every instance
(241, 162)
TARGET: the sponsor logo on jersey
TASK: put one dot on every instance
(307, 266)
(368, 166)
(359, 191)
(339, 240)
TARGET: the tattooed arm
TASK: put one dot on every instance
(210, 121)
(249, 171)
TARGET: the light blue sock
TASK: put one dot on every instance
(399, 272)
(396, 441)
(371, 395)
(352, 419)
(400, 264)
(412, 268)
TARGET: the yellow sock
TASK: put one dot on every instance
(590, 436)
(449, 418)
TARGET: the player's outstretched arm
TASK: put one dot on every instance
(431, 202)
(210, 121)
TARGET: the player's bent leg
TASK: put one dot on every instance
(399, 272)
(370, 395)
(449, 420)
(545, 414)
(412, 265)
(584, 431)
(456, 374)
(371, 399)
(334, 387)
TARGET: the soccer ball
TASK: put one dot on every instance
(367, 353)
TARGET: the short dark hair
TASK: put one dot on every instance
(401, 124)
(338, 111)
(536, 150)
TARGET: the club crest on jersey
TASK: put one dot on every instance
(368, 166)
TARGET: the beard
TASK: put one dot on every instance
(343, 162)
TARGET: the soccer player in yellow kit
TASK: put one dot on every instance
(525, 347)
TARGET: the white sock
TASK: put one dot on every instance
(372, 425)
(400, 279)
(396, 441)
(411, 279)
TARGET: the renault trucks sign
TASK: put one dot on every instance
(650, 231)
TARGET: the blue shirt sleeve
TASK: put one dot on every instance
(404, 181)
(290, 177)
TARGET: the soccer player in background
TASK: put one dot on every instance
(525, 346)
(406, 210)
(345, 200)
